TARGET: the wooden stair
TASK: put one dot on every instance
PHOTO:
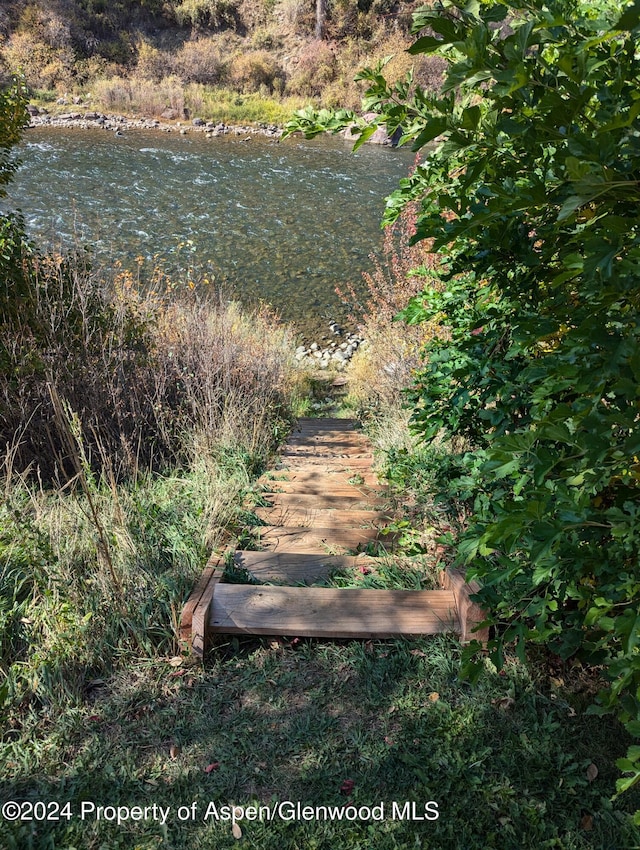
(325, 506)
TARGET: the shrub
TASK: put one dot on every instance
(151, 63)
(43, 66)
(200, 61)
(208, 14)
(381, 370)
(316, 67)
(144, 374)
(120, 94)
(256, 70)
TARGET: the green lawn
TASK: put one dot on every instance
(324, 724)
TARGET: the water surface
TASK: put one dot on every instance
(278, 222)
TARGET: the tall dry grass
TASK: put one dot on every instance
(134, 420)
(148, 368)
(383, 367)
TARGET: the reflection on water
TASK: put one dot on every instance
(280, 222)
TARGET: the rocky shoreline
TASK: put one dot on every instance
(171, 121)
(335, 353)
(84, 118)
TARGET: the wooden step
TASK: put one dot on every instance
(336, 442)
(326, 501)
(295, 567)
(331, 613)
(327, 479)
(350, 466)
(280, 538)
(324, 425)
(326, 518)
(321, 486)
(340, 450)
(316, 514)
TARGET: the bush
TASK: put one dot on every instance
(140, 96)
(43, 66)
(208, 14)
(381, 370)
(256, 70)
(200, 61)
(315, 68)
(531, 198)
(145, 374)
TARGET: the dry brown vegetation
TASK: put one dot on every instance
(148, 371)
(381, 369)
(268, 48)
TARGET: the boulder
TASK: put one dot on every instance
(380, 137)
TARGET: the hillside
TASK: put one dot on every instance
(147, 55)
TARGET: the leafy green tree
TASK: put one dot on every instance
(531, 195)
(13, 119)
(13, 245)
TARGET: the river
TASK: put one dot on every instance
(280, 222)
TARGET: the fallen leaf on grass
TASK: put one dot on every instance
(176, 661)
(347, 786)
(592, 772)
(175, 750)
(237, 832)
(213, 766)
(418, 652)
(177, 674)
(586, 822)
(434, 696)
(503, 703)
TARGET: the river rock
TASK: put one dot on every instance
(381, 135)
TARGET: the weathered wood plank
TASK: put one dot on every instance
(331, 613)
(330, 442)
(186, 617)
(321, 450)
(326, 501)
(201, 614)
(295, 567)
(315, 477)
(310, 540)
(329, 464)
(321, 486)
(327, 518)
(470, 614)
(324, 424)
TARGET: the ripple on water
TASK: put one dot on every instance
(283, 223)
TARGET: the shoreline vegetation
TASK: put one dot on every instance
(227, 61)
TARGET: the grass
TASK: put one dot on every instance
(98, 707)
(271, 721)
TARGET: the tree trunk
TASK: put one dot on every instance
(321, 17)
